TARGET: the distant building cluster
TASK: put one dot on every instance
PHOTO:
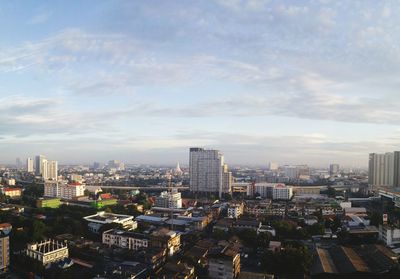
(42, 167)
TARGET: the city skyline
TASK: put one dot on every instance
(288, 81)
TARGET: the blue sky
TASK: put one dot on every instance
(141, 81)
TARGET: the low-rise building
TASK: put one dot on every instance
(48, 251)
(125, 239)
(12, 192)
(61, 190)
(390, 235)
(235, 210)
(165, 238)
(101, 218)
(171, 199)
(223, 263)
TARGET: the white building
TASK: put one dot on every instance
(282, 192)
(48, 251)
(208, 172)
(124, 239)
(9, 181)
(101, 218)
(45, 169)
(381, 169)
(389, 235)
(235, 210)
(169, 199)
(29, 165)
(63, 191)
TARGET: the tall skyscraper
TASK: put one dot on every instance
(5, 230)
(45, 169)
(227, 180)
(39, 164)
(207, 171)
(29, 165)
(381, 169)
(396, 171)
(52, 172)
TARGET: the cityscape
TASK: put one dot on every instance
(201, 220)
(214, 139)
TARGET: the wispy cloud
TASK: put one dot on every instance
(40, 18)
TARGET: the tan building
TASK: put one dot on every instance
(12, 192)
(5, 230)
(165, 238)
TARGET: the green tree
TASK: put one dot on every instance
(38, 230)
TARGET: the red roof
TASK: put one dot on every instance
(106, 196)
(11, 189)
(5, 225)
(74, 184)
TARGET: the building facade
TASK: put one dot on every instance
(235, 210)
(5, 230)
(39, 162)
(64, 191)
(381, 169)
(171, 199)
(205, 170)
(48, 251)
(29, 165)
(52, 170)
(124, 239)
(223, 264)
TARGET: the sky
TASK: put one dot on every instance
(292, 82)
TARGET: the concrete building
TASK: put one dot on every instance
(171, 199)
(63, 191)
(381, 170)
(101, 218)
(29, 165)
(52, 170)
(235, 210)
(390, 235)
(48, 251)
(39, 164)
(125, 239)
(167, 239)
(208, 173)
(282, 192)
(5, 230)
(275, 191)
(223, 263)
(12, 192)
(396, 171)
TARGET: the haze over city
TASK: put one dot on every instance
(142, 81)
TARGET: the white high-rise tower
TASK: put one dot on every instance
(207, 171)
(29, 165)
